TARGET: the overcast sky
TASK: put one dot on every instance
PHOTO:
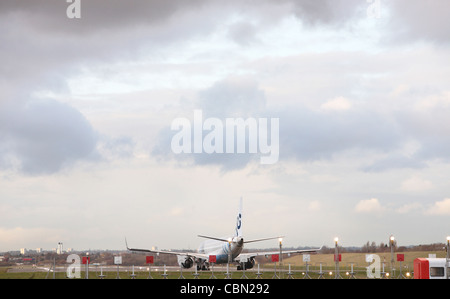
(361, 91)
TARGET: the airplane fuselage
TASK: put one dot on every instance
(221, 250)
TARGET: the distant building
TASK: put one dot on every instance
(23, 251)
(14, 253)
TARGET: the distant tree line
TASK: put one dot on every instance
(372, 247)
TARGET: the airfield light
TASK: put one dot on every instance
(448, 246)
(87, 266)
(391, 244)
(281, 253)
(408, 274)
(447, 258)
(336, 257)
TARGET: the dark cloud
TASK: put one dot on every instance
(236, 97)
(309, 135)
(96, 15)
(243, 33)
(149, 19)
(402, 21)
(37, 35)
(41, 48)
(416, 20)
(233, 97)
(305, 134)
(43, 137)
(117, 147)
(430, 127)
(394, 161)
(328, 12)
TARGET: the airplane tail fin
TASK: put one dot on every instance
(239, 220)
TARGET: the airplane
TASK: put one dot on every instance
(225, 250)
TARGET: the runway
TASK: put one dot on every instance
(114, 268)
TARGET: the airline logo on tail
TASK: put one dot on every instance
(238, 225)
(239, 220)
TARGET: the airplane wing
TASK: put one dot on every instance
(260, 253)
(188, 254)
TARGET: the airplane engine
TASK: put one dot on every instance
(248, 265)
(185, 261)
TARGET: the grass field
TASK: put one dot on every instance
(359, 259)
(295, 263)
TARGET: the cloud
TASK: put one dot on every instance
(306, 134)
(328, 12)
(243, 33)
(440, 208)
(45, 48)
(394, 160)
(429, 127)
(234, 97)
(369, 206)
(416, 184)
(22, 237)
(111, 148)
(314, 206)
(337, 104)
(348, 91)
(409, 207)
(44, 136)
(96, 15)
(318, 123)
(416, 20)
